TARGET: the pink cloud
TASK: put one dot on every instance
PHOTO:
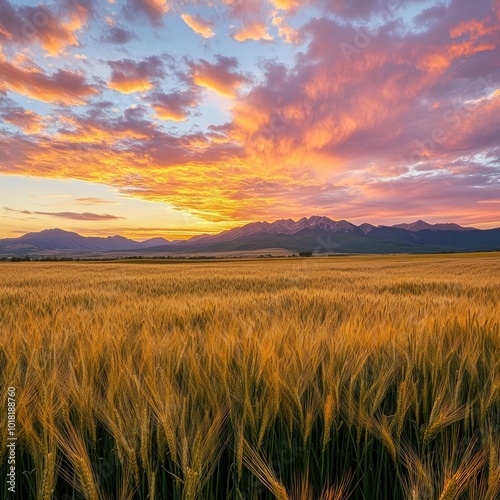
(153, 9)
(55, 31)
(174, 106)
(221, 77)
(85, 216)
(64, 86)
(245, 9)
(117, 35)
(129, 76)
(375, 101)
(357, 123)
(350, 9)
(28, 121)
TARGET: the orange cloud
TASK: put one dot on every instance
(174, 106)
(25, 119)
(316, 133)
(54, 32)
(289, 34)
(440, 60)
(220, 77)
(286, 4)
(253, 31)
(64, 86)
(129, 76)
(54, 42)
(91, 200)
(161, 6)
(473, 28)
(128, 85)
(169, 114)
(5, 34)
(199, 25)
(103, 130)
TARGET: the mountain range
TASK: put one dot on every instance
(315, 234)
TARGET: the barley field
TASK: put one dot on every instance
(326, 378)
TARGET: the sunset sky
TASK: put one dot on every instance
(173, 118)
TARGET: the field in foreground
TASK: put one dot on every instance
(374, 377)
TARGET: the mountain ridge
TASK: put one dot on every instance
(317, 233)
(420, 225)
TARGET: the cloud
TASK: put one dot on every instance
(253, 18)
(54, 31)
(116, 35)
(175, 105)
(357, 9)
(64, 86)
(355, 124)
(220, 77)
(153, 9)
(86, 216)
(94, 201)
(376, 102)
(444, 196)
(25, 119)
(199, 25)
(129, 76)
(285, 31)
(245, 9)
(255, 30)
(287, 4)
(24, 212)
(99, 127)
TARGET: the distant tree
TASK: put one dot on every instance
(305, 254)
(20, 259)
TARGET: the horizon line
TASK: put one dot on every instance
(160, 232)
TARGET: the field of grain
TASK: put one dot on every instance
(346, 377)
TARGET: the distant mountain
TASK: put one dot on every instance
(393, 235)
(366, 228)
(285, 226)
(316, 234)
(153, 242)
(420, 225)
(323, 235)
(52, 241)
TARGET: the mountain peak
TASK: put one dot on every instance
(54, 230)
(420, 225)
(304, 233)
(289, 226)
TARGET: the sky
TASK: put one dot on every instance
(174, 118)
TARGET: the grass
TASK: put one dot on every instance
(352, 377)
